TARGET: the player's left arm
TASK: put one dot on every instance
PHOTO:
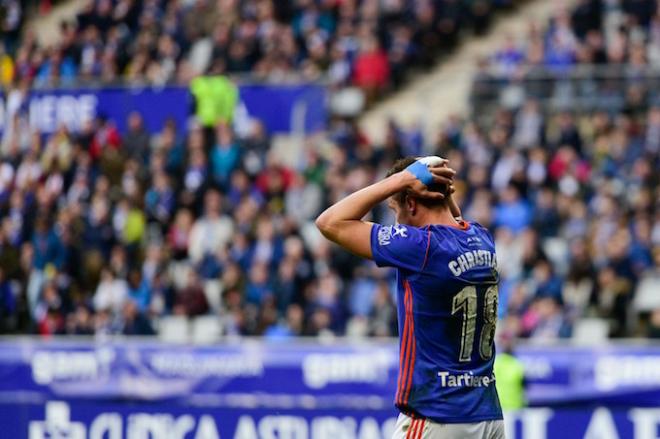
(342, 222)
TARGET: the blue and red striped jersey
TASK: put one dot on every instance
(447, 308)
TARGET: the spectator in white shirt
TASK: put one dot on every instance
(211, 231)
(111, 292)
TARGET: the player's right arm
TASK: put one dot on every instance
(342, 222)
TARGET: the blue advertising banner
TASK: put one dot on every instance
(129, 420)
(138, 390)
(74, 420)
(610, 374)
(152, 371)
(278, 107)
(334, 375)
(46, 110)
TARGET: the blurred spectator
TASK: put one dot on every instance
(80, 322)
(179, 234)
(225, 154)
(49, 312)
(7, 304)
(371, 71)
(546, 283)
(258, 286)
(159, 200)
(111, 292)
(212, 230)
(512, 211)
(11, 16)
(139, 291)
(191, 301)
(133, 322)
(545, 321)
(292, 326)
(136, 140)
(382, 315)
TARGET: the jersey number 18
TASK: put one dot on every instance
(465, 302)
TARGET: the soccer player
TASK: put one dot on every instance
(446, 298)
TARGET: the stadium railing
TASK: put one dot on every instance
(578, 88)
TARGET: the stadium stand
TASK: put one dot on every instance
(366, 43)
(105, 233)
(572, 114)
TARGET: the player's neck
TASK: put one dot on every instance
(442, 217)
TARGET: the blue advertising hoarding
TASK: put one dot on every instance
(46, 110)
(127, 389)
(275, 106)
(130, 420)
(556, 376)
(624, 375)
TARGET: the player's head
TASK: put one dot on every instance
(409, 209)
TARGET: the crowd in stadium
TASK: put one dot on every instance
(593, 184)
(366, 43)
(104, 232)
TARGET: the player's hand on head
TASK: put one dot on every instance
(418, 189)
(428, 172)
(442, 174)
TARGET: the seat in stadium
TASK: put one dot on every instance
(206, 329)
(174, 329)
(591, 331)
(357, 327)
(646, 295)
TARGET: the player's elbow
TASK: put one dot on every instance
(325, 223)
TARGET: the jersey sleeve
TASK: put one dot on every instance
(399, 246)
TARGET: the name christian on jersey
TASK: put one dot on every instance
(471, 259)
